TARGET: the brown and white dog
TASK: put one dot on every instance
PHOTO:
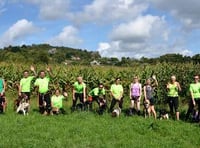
(23, 106)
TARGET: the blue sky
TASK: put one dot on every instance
(114, 28)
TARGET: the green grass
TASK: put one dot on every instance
(86, 129)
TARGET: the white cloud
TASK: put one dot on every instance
(52, 10)
(106, 11)
(68, 37)
(98, 11)
(138, 30)
(186, 52)
(185, 11)
(145, 36)
(19, 30)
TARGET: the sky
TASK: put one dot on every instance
(114, 28)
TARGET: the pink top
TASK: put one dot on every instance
(135, 89)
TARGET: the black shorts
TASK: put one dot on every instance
(2, 99)
(28, 94)
(152, 101)
(135, 98)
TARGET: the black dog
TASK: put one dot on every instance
(163, 114)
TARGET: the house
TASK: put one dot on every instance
(52, 51)
(94, 62)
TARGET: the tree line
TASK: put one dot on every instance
(46, 54)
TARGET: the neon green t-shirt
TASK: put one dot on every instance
(25, 84)
(195, 89)
(116, 90)
(79, 87)
(57, 101)
(43, 84)
(1, 85)
(97, 92)
(173, 90)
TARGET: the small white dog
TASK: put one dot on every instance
(116, 112)
(23, 107)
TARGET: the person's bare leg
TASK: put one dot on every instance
(154, 112)
(149, 112)
(177, 115)
(138, 105)
(132, 104)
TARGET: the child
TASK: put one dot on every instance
(57, 102)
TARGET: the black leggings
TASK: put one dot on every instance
(44, 98)
(173, 104)
(191, 108)
(114, 101)
(78, 96)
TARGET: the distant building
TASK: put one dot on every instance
(95, 63)
(52, 51)
(75, 58)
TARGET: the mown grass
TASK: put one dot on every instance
(86, 129)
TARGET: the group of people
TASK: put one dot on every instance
(52, 104)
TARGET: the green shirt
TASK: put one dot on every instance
(57, 101)
(173, 90)
(25, 84)
(79, 87)
(97, 92)
(1, 85)
(116, 90)
(43, 84)
(195, 89)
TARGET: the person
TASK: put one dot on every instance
(195, 97)
(78, 92)
(149, 95)
(2, 95)
(25, 84)
(57, 102)
(173, 88)
(98, 94)
(43, 88)
(135, 94)
(116, 91)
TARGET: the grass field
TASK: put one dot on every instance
(86, 129)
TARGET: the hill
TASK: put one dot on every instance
(45, 53)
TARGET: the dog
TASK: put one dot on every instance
(146, 108)
(23, 106)
(195, 114)
(163, 115)
(116, 112)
